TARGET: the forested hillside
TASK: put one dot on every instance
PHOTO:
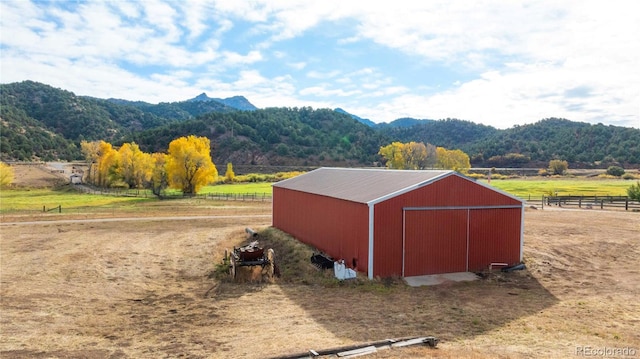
(185, 110)
(75, 117)
(275, 136)
(40, 122)
(23, 138)
(581, 144)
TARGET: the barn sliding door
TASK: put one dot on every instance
(435, 242)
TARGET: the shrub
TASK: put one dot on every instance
(7, 175)
(476, 175)
(634, 191)
(606, 176)
(498, 176)
(558, 167)
(229, 176)
(615, 171)
(629, 176)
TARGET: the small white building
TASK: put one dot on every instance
(75, 178)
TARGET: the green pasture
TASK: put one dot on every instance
(36, 199)
(239, 188)
(235, 188)
(570, 186)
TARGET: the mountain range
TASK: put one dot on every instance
(40, 122)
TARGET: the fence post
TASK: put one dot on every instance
(60, 209)
(44, 208)
(626, 204)
(602, 204)
(580, 202)
(542, 201)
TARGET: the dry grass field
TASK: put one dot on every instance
(148, 288)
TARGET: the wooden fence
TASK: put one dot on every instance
(586, 202)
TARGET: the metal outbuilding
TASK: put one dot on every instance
(399, 222)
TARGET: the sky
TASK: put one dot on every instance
(500, 63)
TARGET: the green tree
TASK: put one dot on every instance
(189, 164)
(615, 171)
(634, 191)
(558, 167)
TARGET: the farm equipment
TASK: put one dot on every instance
(251, 255)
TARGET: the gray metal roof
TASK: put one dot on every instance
(359, 184)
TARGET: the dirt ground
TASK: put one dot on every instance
(146, 289)
(39, 176)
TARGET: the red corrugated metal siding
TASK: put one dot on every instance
(340, 227)
(447, 192)
(494, 237)
(435, 242)
(387, 250)
(457, 191)
(336, 227)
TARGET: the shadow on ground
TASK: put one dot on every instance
(358, 311)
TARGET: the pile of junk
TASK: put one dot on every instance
(341, 271)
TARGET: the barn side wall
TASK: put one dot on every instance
(450, 191)
(336, 227)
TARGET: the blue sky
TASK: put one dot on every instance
(499, 63)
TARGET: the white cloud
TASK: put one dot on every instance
(297, 65)
(235, 59)
(323, 90)
(516, 62)
(323, 75)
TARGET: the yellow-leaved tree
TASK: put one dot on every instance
(409, 156)
(455, 160)
(159, 179)
(135, 167)
(7, 175)
(107, 165)
(393, 154)
(229, 176)
(91, 152)
(103, 161)
(189, 164)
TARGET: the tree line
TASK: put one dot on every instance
(186, 166)
(187, 163)
(419, 156)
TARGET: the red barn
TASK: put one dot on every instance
(401, 223)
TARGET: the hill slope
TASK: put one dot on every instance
(275, 136)
(42, 122)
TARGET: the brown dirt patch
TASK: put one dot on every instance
(37, 176)
(147, 289)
